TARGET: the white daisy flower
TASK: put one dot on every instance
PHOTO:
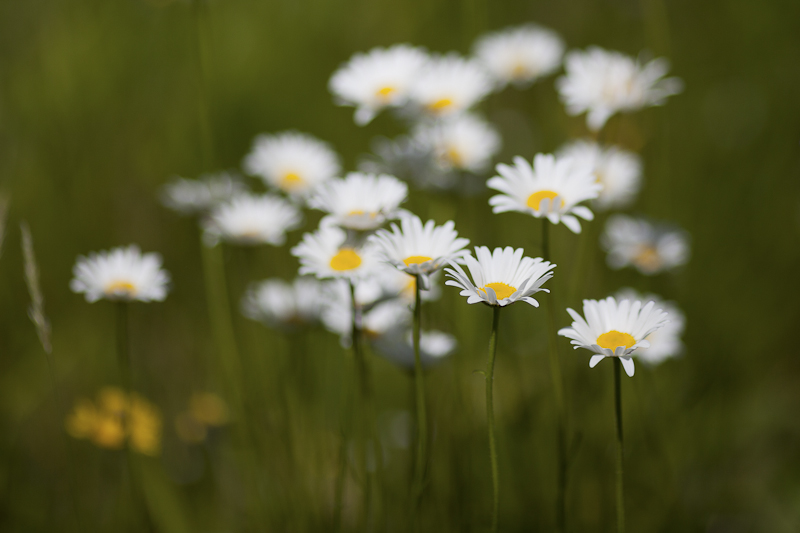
(501, 277)
(650, 249)
(376, 318)
(398, 346)
(450, 84)
(419, 250)
(520, 55)
(393, 283)
(665, 342)
(552, 187)
(602, 83)
(327, 253)
(252, 220)
(378, 79)
(618, 170)
(122, 274)
(278, 303)
(190, 197)
(360, 201)
(292, 162)
(614, 329)
(463, 142)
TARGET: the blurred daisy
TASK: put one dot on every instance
(398, 346)
(360, 201)
(450, 84)
(327, 253)
(419, 250)
(602, 83)
(122, 274)
(375, 320)
(191, 197)
(618, 170)
(551, 188)
(651, 249)
(252, 220)
(378, 79)
(520, 55)
(665, 342)
(293, 162)
(501, 277)
(464, 142)
(278, 303)
(614, 329)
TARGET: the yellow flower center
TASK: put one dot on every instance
(648, 258)
(121, 288)
(385, 92)
(501, 290)
(454, 157)
(292, 181)
(535, 199)
(440, 105)
(519, 71)
(345, 259)
(416, 259)
(614, 338)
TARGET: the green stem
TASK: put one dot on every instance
(558, 391)
(620, 476)
(123, 354)
(422, 423)
(489, 377)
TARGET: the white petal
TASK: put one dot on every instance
(627, 364)
(595, 359)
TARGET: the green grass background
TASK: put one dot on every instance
(103, 101)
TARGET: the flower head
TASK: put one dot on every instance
(418, 249)
(328, 253)
(665, 342)
(614, 329)
(618, 170)
(360, 201)
(378, 79)
(463, 142)
(650, 249)
(278, 303)
(190, 197)
(602, 83)
(123, 274)
(450, 84)
(252, 220)
(376, 316)
(501, 277)
(520, 55)
(292, 162)
(552, 187)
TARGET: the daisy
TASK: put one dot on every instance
(520, 55)
(378, 79)
(618, 170)
(602, 83)
(252, 220)
(360, 201)
(292, 162)
(614, 329)
(398, 347)
(327, 253)
(121, 274)
(376, 320)
(190, 197)
(650, 249)
(666, 342)
(551, 188)
(501, 277)
(419, 250)
(278, 303)
(450, 84)
(464, 142)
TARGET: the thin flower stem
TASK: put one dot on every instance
(422, 423)
(489, 377)
(558, 391)
(123, 355)
(620, 472)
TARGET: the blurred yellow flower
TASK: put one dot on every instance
(115, 418)
(205, 410)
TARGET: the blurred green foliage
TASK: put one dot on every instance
(101, 102)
